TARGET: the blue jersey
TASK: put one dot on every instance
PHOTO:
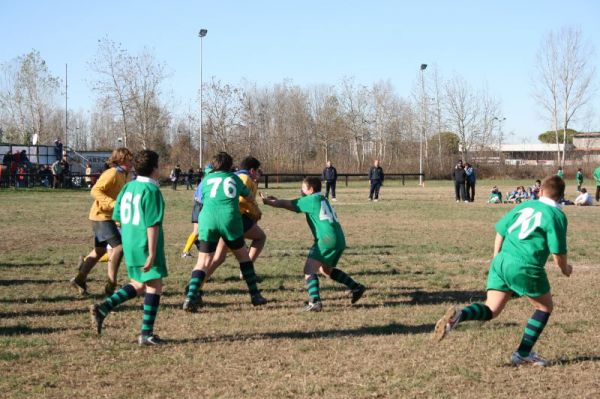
(198, 192)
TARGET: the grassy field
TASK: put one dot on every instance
(417, 251)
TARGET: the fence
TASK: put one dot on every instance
(346, 176)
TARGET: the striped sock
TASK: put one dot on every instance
(476, 311)
(534, 328)
(312, 286)
(124, 293)
(195, 283)
(247, 269)
(343, 278)
(151, 302)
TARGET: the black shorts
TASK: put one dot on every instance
(247, 222)
(208, 247)
(106, 232)
(196, 211)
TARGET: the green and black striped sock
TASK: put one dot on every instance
(247, 269)
(476, 311)
(535, 326)
(151, 303)
(343, 278)
(312, 286)
(123, 294)
(195, 283)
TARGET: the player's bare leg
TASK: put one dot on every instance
(259, 238)
(113, 269)
(79, 282)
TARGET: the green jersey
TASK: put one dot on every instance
(579, 177)
(533, 230)
(322, 220)
(140, 205)
(597, 176)
(560, 173)
(221, 192)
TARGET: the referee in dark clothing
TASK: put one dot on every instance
(460, 178)
(329, 176)
(376, 177)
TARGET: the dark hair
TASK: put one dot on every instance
(313, 182)
(222, 162)
(554, 187)
(584, 190)
(250, 163)
(144, 162)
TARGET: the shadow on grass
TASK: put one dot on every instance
(574, 360)
(386, 329)
(11, 282)
(24, 330)
(437, 297)
(20, 265)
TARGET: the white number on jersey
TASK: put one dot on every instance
(528, 221)
(128, 201)
(229, 187)
(327, 213)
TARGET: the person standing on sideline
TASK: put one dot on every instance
(459, 176)
(376, 177)
(597, 179)
(560, 173)
(329, 176)
(471, 179)
(579, 179)
(189, 179)
(175, 174)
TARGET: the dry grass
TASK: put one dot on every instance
(417, 250)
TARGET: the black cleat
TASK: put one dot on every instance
(150, 340)
(80, 287)
(192, 305)
(258, 300)
(357, 293)
(97, 317)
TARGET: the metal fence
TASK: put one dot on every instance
(268, 177)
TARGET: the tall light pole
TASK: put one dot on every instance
(422, 135)
(201, 35)
(500, 120)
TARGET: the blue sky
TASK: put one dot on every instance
(490, 43)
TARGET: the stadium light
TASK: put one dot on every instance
(423, 67)
(201, 35)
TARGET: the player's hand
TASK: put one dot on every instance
(567, 270)
(148, 264)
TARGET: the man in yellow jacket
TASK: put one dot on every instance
(106, 232)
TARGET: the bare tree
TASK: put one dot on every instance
(563, 79)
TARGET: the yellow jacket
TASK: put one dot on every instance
(105, 193)
(249, 208)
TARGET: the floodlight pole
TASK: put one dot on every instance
(201, 34)
(422, 135)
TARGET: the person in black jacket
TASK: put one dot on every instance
(376, 177)
(460, 177)
(329, 176)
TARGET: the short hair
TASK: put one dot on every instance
(222, 162)
(250, 163)
(144, 162)
(119, 157)
(313, 182)
(584, 190)
(554, 187)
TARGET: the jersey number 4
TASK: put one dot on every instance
(528, 220)
(327, 213)
(130, 209)
(229, 187)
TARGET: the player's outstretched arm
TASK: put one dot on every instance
(561, 262)
(278, 203)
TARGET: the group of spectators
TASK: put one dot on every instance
(376, 176)
(190, 178)
(464, 177)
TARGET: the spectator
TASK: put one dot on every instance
(535, 190)
(58, 149)
(560, 172)
(189, 179)
(329, 176)
(376, 178)
(495, 196)
(5, 171)
(518, 196)
(57, 171)
(174, 176)
(66, 173)
(471, 179)
(579, 179)
(459, 176)
(45, 176)
(597, 179)
(88, 175)
(584, 199)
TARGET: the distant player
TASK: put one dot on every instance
(525, 237)
(329, 241)
(249, 173)
(105, 192)
(221, 218)
(140, 210)
(197, 207)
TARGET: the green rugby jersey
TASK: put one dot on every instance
(140, 205)
(321, 218)
(221, 190)
(533, 230)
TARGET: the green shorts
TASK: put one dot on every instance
(213, 225)
(508, 274)
(137, 274)
(327, 254)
